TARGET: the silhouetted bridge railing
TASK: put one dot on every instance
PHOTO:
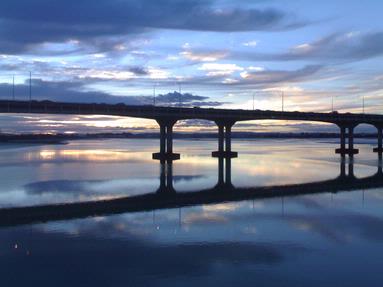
(166, 198)
(224, 118)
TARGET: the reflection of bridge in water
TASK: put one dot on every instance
(166, 196)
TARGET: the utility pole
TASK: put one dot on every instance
(179, 94)
(13, 87)
(283, 103)
(332, 103)
(154, 94)
(253, 101)
(363, 104)
(30, 86)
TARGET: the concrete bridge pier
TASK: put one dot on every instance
(343, 150)
(166, 141)
(224, 140)
(379, 148)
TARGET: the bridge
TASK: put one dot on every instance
(225, 119)
(166, 197)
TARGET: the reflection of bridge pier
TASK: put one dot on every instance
(166, 177)
(379, 148)
(166, 141)
(350, 173)
(165, 200)
(224, 172)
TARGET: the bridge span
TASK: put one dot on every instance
(225, 119)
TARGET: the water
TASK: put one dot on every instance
(323, 239)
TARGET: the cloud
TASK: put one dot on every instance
(124, 257)
(352, 46)
(216, 69)
(200, 56)
(25, 24)
(185, 100)
(250, 44)
(280, 76)
(75, 92)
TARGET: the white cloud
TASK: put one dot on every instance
(107, 74)
(202, 57)
(156, 73)
(229, 81)
(257, 69)
(215, 69)
(250, 44)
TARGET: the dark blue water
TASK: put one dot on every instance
(323, 239)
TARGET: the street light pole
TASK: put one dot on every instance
(179, 94)
(30, 86)
(13, 87)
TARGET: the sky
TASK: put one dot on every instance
(320, 55)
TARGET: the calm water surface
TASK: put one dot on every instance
(326, 239)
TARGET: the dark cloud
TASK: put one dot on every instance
(74, 92)
(27, 23)
(139, 71)
(65, 92)
(185, 100)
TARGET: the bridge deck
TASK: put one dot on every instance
(155, 112)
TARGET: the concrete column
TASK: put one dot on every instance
(228, 138)
(169, 138)
(342, 138)
(220, 138)
(162, 138)
(351, 141)
(166, 141)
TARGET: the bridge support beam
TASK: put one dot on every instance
(224, 140)
(166, 142)
(350, 150)
(379, 148)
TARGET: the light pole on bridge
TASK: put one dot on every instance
(30, 86)
(13, 87)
